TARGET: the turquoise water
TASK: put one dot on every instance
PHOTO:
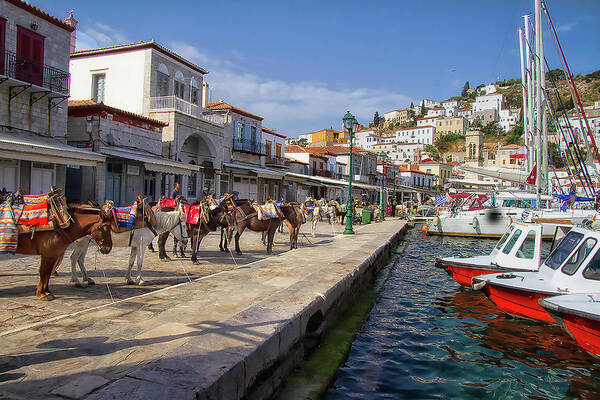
(429, 338)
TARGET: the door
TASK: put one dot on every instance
(30, 56)
(252, 189)
(240, 185)
(42, 177)
(8, 175)
(73, 183)
(114, 171)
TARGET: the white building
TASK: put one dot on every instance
(307, 136)
(465, 113)
(406, 152)
(451, 107)
(508, 119)
(485, 102)
(419, 134)
(488, 89)
(427, 121)
(428, 103)
(34, 87)
(365, 138)
(436, 112)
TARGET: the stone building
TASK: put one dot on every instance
(34, 87)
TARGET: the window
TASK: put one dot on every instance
(572, 265)
(162, 86)
(179, 89)
(527, 249)
(194, 92)
(98, 81)
(512, 241)
(191, 192)
(30, 56)
(592, 271)
(566, 246)
(2, 43)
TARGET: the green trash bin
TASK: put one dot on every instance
(366, 216)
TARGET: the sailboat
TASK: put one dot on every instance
(492, 222)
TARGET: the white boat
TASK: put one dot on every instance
(572, 267)
(492, 222)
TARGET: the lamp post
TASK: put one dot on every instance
(350, 124)
(382, 202)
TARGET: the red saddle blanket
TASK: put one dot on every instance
(33, 211)
(192, 213)
(167, 202)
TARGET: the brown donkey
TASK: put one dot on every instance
(86, 219)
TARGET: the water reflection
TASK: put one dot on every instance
(429, 338)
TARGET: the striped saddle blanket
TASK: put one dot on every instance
(31, 212)
(309, 208)
(192, 213)
(266, 211)
(126, 216)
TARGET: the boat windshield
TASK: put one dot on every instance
(566, 246)
(504, 237)
(584, 250)
(512, 241)
(524, 203)
(592, 271)
(527, 249)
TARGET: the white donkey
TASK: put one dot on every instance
(138, 240)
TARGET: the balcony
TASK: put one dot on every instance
(272, 160)
(323, 172)
(249, 146)
(34, 73)
(174, 103)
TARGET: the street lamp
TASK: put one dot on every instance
(350, 124)
(382, 207)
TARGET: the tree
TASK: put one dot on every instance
(302, 142)
(477, 123)
(412, 105)
(423, 109)
(555, 75)
(514, 136)
(554, 154)
(465, 89)
(377, 120)
(432, 151)
(492, 129)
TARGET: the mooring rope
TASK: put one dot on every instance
(112, 299)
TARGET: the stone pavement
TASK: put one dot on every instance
(18, 275)
(208, 338)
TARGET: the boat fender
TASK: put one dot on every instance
(425, 228)
(436, 221)
(478, 285)
(475, 223)
(510, 221)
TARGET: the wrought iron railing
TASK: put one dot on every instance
(323, 172)
(248, 146)
(169, 103)
(274, 160)
(36, 73)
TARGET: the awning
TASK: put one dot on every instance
(153, 163)
(365, 186)
(261, 172)
(32, 147)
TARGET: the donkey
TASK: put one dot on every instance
(137, 239)
(86, 219)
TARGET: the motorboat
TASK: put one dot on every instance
(487, 221)
(519, 249)
(579, 315)
(573, 266)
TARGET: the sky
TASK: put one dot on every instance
(302, 64)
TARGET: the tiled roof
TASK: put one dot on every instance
(41, 13)
(294, 148)
(135, 46)
(337, 150)
(415, 127)
(269, 131)
(91, 105)
(222, 106)
(510, 147)
(430, 117)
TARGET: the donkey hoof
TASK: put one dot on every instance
(141, 282)
(47, 297)
(91, 282)
(130, 281)
(182, 255)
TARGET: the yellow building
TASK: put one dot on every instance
(447, 125)
(329, 137)
(442, 171)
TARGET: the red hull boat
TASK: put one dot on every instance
(579, 315)
(518, 302)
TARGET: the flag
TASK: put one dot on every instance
(521, 153)
(441, 199)
(532, 176)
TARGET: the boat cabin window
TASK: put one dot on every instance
(592, 271)
(527, 249)
(572, 265)
(521, 203)
(566, 246)
(512, 241)
(504, 237)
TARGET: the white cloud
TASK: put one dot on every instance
(291, 107)
(98, 35)
(565, 27)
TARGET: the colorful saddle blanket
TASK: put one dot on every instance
(280, 203)
(309, 208)
(266, 211)
(9, 235)
(126, 216)
(167, 202)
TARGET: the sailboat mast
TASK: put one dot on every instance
(544, 125)
(529, 109)
(524, 107)
(538, 100)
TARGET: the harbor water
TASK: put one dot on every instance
(429, 338)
